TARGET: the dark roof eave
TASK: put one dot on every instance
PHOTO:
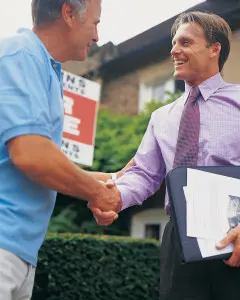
(138, 56)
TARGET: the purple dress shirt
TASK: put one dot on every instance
(219, 139)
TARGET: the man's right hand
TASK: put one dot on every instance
(98, 207)
(106, 217)
(107, 199)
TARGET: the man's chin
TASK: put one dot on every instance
(179, 75)
(81, 57)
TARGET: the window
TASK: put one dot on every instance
(156, 90)
(159, 90)
(179, 85)
(153, 231)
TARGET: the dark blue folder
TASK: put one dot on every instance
(176, 179)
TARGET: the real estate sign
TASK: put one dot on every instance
(81, 98)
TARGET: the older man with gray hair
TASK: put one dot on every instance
(32, 166)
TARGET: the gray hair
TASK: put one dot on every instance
(47, 11)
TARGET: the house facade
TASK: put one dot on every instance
(139, 70)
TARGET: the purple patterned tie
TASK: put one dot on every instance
(186, 153)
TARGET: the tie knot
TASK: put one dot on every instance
(194, 94)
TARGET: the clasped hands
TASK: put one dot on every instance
(108, 204)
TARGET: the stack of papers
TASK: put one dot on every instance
(213, 208)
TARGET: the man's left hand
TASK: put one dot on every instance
(232, 237)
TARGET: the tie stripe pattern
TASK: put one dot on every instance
(186, 153)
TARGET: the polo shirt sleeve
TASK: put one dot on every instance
(24, 96)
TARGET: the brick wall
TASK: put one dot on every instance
(121, 94)
(232, 66)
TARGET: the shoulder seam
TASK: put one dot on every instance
(18, 52)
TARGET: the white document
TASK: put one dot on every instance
(199, 221)
(208, 248)
(209, 214)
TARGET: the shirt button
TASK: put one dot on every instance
(54, 66)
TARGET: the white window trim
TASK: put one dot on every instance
(145, 90)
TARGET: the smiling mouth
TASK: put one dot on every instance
(179, 63)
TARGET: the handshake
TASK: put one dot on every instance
(108, 203)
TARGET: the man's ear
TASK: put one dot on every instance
(215, 49)
(68, 14)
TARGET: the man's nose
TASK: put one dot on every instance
(96, 37)
(175, 50)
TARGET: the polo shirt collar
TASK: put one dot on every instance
(56, 65)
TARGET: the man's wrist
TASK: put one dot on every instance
(97, 192)
(114, 176)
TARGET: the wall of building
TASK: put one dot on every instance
(232, 67)
(158, 74)
(72, 67)
(154, 72)
(148, 216)
(126, 94)
(121, 94)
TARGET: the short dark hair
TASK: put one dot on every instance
(48, 11)
(215, 28)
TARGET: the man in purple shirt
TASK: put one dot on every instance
(201, 45)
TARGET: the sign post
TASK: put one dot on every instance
(81, 98)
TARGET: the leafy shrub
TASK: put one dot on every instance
(79, 267)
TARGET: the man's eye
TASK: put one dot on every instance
(185, 43)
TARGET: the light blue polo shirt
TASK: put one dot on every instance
(31, 102)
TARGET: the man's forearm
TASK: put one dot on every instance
(46, 165)
(99, 175)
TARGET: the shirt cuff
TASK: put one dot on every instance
(125, 197)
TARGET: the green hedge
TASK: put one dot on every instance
(79, 267)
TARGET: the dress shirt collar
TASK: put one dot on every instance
(207, 87)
